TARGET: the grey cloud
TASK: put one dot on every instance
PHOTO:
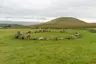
(75, 8)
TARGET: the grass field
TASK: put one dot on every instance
(78, 51)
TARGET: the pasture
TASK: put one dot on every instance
(18, 51)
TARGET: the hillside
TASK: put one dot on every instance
(92, 25)
(64, 22)
(66, 19)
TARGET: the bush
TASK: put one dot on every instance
(92, 31)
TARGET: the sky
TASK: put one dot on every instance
(44, 10)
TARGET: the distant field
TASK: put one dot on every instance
(78, 51)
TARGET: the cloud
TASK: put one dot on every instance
(48, 8)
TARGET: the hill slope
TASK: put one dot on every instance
(66, 19)
(63, 22)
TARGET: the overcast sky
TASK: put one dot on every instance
(83, 9)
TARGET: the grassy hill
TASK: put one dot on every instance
(92, 25)
(64, 22)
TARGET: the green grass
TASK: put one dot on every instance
(16, 51)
